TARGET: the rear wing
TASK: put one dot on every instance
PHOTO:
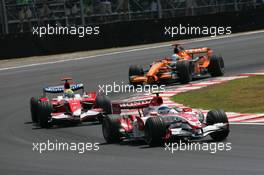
(198, 50)
(203, 50)
(136, 104)
(60, 89)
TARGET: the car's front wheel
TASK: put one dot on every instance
(135, 70)
(218, 116)
(34, 109)
(155, 130)
(110, 128)
(44, 111)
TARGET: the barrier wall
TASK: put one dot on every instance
(124, 34)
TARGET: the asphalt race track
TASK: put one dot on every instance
(241, 54)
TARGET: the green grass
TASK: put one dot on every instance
(244, 95)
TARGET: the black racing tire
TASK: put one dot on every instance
(135, 70)
(105, 103)
(34, 109)
(44, 111)
(100, 118)
(218, 116)
(184, 71)
(110, 128)
(217, 66)
(155, 130)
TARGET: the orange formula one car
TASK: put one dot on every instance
(183, 66)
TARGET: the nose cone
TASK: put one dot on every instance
(151, 79)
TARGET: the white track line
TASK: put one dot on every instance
(245, 123)
(133, 50)
(247, 117)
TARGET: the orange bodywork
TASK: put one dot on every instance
(161, 67)
(203, 62)
(184, 55)
(151, 76)
(155, 68)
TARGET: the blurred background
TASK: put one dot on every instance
(19, 16)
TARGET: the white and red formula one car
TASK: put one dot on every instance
(157, 123)
(68, 108)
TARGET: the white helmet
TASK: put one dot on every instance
(164, 110)
(175, 57)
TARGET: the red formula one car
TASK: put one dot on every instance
(157, 123)
(68, 108)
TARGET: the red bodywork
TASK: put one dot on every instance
(72, 105)
(127, 121)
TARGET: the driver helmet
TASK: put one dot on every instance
(176, 50)
(68, 93)
(175, 57)
(67, 90)
(164, 110)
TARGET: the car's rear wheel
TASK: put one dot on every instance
(110, 128)
(218, 116)
(155, 130)
(104, 102)
(135, 70)
(217, 66)
(184, 71)
(44, 111)
(34, 109)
